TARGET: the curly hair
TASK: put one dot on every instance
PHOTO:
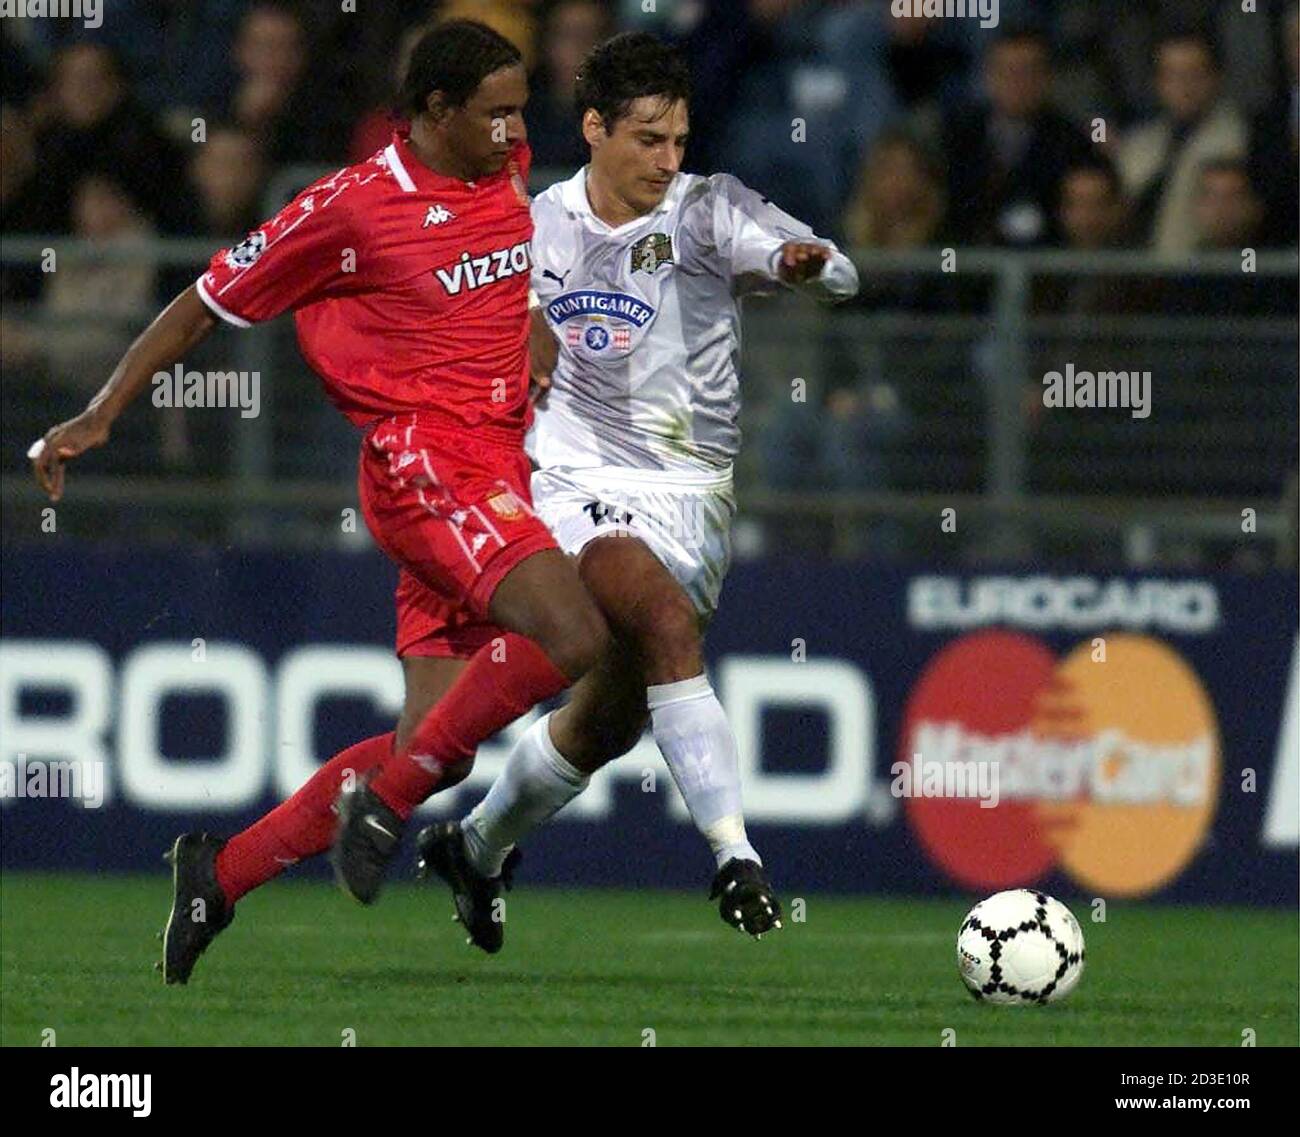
(453, 57)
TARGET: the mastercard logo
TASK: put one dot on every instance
(1105, 767)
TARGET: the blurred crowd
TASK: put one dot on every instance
(1084, 123)
(1166, 125)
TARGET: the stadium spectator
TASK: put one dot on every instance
(929, 63)
(570, 28)
(1275, 147)
(278, 97)
(1006, 158)
(92, 301)
(151, 37)
(1228, 212)
(19, 79)
(1094, 213)
(899, 202)
(229, 172)
(843, 439)
(807, 105)
(1161, 161)
(1094, 217)
(96, 127)
(25, 203)
(22, 210)
(899, 206)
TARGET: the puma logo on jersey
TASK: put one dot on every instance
(476, 272)
(558, 279)
(437, 215)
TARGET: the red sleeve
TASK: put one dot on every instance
(298, 257)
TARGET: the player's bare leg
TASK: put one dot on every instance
(648, 608)
(655, 670)
(554, 634)
(218, 873)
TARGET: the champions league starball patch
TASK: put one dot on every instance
(247, 251)
(652, 251)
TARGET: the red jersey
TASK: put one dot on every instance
(409, 289)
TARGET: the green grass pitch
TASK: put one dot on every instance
(301, 965)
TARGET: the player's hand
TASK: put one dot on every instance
(539, 384)
(543, 355)
(802, 261)
(67, 440)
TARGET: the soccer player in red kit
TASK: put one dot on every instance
(409, 278)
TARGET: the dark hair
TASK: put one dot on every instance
(453, 57)
(626, 67)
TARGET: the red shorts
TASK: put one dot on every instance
(455, 513)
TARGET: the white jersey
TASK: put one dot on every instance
(648, 324)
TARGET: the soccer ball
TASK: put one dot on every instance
(1020, 947)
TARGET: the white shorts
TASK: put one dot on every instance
(686, 524)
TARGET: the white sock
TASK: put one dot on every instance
(536, 783)
(696, 741)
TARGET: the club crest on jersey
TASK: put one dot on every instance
(474, 272)
(517, 183)
(652, 251)
(247, 251)
(505, 505)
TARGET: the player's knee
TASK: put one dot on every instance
(455, 773)
(670, 637)
(577, 641)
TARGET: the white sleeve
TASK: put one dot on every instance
(748, 232)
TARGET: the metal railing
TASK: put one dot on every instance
(973, 449)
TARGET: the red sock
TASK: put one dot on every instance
(299, 827)
(495, 688)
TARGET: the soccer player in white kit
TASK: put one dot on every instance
(638, 269)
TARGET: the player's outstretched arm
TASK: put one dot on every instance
(185, 322)
(801, 261)
(760, 242)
